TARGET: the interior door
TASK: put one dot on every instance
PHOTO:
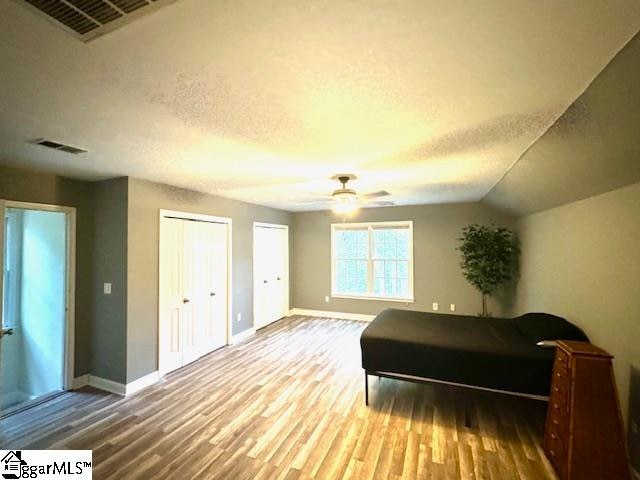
(194, 287)
(214, 261)
(193, 290)
(171, 296)
(271, 285)
(281, 272)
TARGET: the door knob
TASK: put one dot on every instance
(278, 278)
(6, 331)
(265, 281)
(185, 300)
(212, 294)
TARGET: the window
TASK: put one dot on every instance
(372, 260)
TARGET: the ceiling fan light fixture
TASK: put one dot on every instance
(345, 207)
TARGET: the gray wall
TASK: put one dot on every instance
(26, 186)
(108, 335)
(593, 148)
(145, 201)
(437, 274)
(582, 261)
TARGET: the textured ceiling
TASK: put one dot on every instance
(593, 148)
(263, 101)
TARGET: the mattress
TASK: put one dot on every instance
(482, 352)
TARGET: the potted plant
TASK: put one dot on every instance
(489, 257)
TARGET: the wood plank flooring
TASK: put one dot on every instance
(289, 404)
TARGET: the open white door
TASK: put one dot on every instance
(37, 282)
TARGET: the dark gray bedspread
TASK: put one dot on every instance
(483, 352)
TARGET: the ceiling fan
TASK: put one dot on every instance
(346, 200)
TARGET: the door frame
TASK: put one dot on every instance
(162, 215)
(287, 300)
(70, 301)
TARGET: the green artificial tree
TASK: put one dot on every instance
(489, 257)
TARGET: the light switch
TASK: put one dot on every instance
(107, 289)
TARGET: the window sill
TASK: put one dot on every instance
(372, 297)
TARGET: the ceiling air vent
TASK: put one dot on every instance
(59, 146)
(89, 19)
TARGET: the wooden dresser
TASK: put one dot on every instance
(584, 437)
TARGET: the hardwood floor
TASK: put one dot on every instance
(289, 403)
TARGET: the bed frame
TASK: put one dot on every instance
(412, 378)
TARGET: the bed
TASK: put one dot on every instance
(488, 353)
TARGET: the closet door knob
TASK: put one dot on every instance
(185, 300)
(265, 281)
(212, 294)
(278, 278)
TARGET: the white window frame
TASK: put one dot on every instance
(370, 227)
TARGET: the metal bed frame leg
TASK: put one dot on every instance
(366, 388)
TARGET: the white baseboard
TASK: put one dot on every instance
(242, 336)
(107, 385)
(325, 314)
(116, 387)
(79, 382)
(142, 382)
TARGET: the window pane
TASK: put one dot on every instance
(402, 251)
(402, 269)
(378, 268)
(378, 286)
(378, 235)
(403, 287)
(361, 236)
(389, 269)
(361, 250)
(389, 286)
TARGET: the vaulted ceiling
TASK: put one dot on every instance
(264, 101)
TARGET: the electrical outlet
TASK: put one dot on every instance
(239, 317)
(326, 299)
(435, 305)
(452, 307)
(107, 289)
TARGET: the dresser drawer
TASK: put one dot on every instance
(562, 359)
(555, 452)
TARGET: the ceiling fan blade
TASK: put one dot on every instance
(381, 193)
(380, 203)
(314, 202)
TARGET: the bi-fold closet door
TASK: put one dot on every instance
(194, 273)
(270, 273)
